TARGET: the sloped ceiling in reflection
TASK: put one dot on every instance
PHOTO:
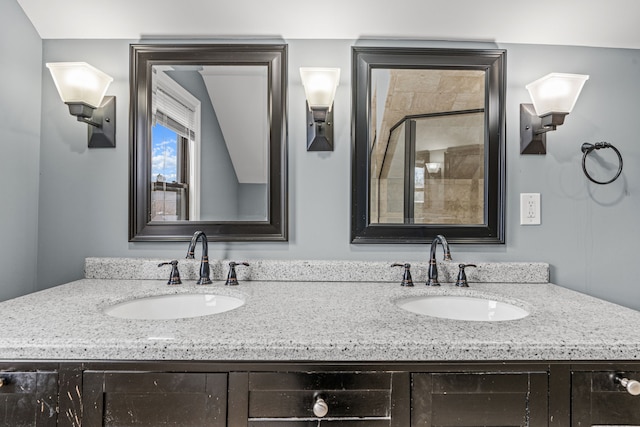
(239, 98)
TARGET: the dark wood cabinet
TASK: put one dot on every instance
(28, 398)
(283, 394)
(329, 422)
(479, 399)
(154, 399)
(597, 399)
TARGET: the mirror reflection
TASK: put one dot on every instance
(427, 146)
(199, 145)
(208, 142)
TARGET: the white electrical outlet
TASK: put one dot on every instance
(529, 208)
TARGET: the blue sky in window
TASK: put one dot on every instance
(164, 150)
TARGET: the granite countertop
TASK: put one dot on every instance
(314, 320)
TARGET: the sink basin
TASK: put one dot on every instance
(176, 306)
(463, 308)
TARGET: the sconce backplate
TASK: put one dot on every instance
(104, 136)
(320, 130)
(530, 142)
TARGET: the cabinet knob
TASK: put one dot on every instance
(320, 408)
(632, 386)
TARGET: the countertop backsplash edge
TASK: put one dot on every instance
(315, 270)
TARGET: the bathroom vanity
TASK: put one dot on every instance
(311, 352)
(289, 394)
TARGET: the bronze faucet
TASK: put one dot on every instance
(204, 262)
(433, 269)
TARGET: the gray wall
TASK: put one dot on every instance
(588, 232)
(252, 202)
(20, 101)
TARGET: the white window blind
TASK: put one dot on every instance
(173, 113)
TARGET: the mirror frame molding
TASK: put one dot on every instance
(493, 62)
(142, 58)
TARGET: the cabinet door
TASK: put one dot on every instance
(154, 399)
(596, 399)
(28, 399)
(479, 399)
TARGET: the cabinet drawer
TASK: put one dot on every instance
(597, 399)
(292, 395)
(314, 423)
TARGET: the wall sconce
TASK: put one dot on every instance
(82, 88)
(553, 96)
(432, 167)
(320, 88)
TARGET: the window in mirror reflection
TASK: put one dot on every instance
(175, 147)
(427, 146)
(169, 182)
(208, 108)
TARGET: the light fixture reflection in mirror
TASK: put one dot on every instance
(433, 167)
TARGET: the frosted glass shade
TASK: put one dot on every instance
(556, 92)
(320, 85)
(432, 167)
(79, 82)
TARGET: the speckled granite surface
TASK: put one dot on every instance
(323, 321)
(314, 271)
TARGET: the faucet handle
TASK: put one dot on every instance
(232, 279)
(174, 276)
(462, 276)
(406, 277)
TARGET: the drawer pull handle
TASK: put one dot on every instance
(632, 386)
(320, 408)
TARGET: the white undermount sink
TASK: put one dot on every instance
(462, 308)
(175, 306)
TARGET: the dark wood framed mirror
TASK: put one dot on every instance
(208, 147)
(428, 145)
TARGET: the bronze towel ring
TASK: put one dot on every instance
(588, 148)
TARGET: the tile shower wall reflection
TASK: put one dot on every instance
(422, 117)
(427, 177)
